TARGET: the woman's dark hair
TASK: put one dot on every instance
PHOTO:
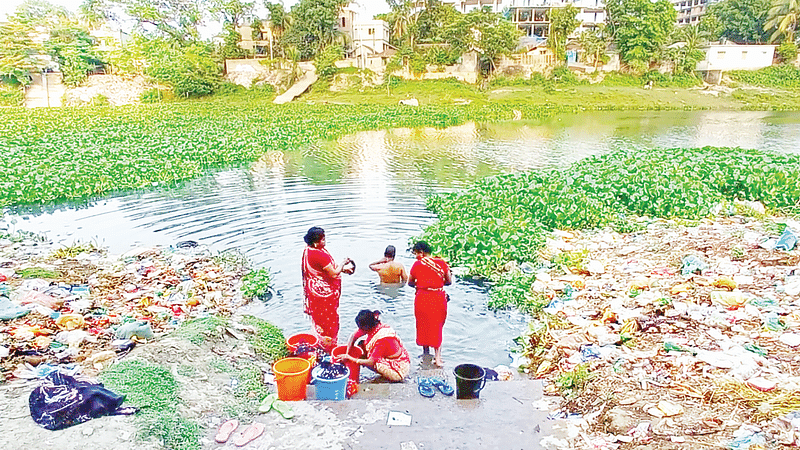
(390, 251)
(314, 235)
(421, 246)
(367, 320)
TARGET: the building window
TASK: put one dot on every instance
(371, 31)
(744, 55)
(721, 55)
(343, 22)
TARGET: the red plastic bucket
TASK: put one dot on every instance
(356, 352)
(302, 338)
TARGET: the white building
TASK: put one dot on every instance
(532, 17)
(723, 57)
(690, 11)
(365, 37)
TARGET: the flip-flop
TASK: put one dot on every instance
(442, 385)
(225, 430)
(266, 404)
(283, 408)
(425, 387)
(253, 431)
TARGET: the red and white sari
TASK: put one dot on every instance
(322, 294)
(392, 367)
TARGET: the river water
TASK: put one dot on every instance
(367, 190)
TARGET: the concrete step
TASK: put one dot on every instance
(309, 77)
(507, 415)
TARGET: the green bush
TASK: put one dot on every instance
(787, 51)
(11, 95)
(325, 61)
(782, 76)
(156, 95)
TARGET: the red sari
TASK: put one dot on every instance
(430, 303)
(384, 346)
(322, 294)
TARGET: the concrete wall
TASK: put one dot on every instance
(466, 71)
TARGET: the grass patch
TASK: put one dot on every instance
(154, 391)
(268, 340)
(38, 272)
(72, 251)
(200, 330)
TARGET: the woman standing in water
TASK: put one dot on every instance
(322, 285)
(429, 276)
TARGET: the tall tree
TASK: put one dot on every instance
(73, 49)
(234, 12)
(563, 22)
(40, 13)
(685, 52)
(740, 21)
(487, 33)
(433, 20)
(640, 28)
(782, 20)
(17, 52)
(177, 20)
(595, 44)
(402, 22)
(314, 25)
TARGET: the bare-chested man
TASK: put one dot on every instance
(388, 269)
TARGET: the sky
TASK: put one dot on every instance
(368, 7)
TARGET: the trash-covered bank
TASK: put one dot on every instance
(682, 334)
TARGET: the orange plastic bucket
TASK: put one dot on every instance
(302, 338)
(356, 352)
(291, 376)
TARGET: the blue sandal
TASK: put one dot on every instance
(442, 385)
(425, 387)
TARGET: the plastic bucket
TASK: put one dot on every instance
(335, 389)
(302, 338)
(470, 379)
(356, 352)
(291, 376)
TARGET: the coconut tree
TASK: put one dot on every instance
(783, 18)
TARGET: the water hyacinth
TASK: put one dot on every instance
(502, 218)
(72, 153)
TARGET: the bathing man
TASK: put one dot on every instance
(388, 269)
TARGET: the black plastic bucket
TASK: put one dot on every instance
(470, 379)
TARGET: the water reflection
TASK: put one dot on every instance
(367, 190)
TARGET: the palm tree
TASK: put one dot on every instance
(404, 21)
(783, 17)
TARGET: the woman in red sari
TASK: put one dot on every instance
(429, 276)
(322, 285)
(384, 350)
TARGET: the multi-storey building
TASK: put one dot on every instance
(365, 37)
(690, 11)
(532, 17)
(465, 6)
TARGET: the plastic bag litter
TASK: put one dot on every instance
(787, 241)
(747, 436)
(139, 329)
(692, 264)
(10, 310)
